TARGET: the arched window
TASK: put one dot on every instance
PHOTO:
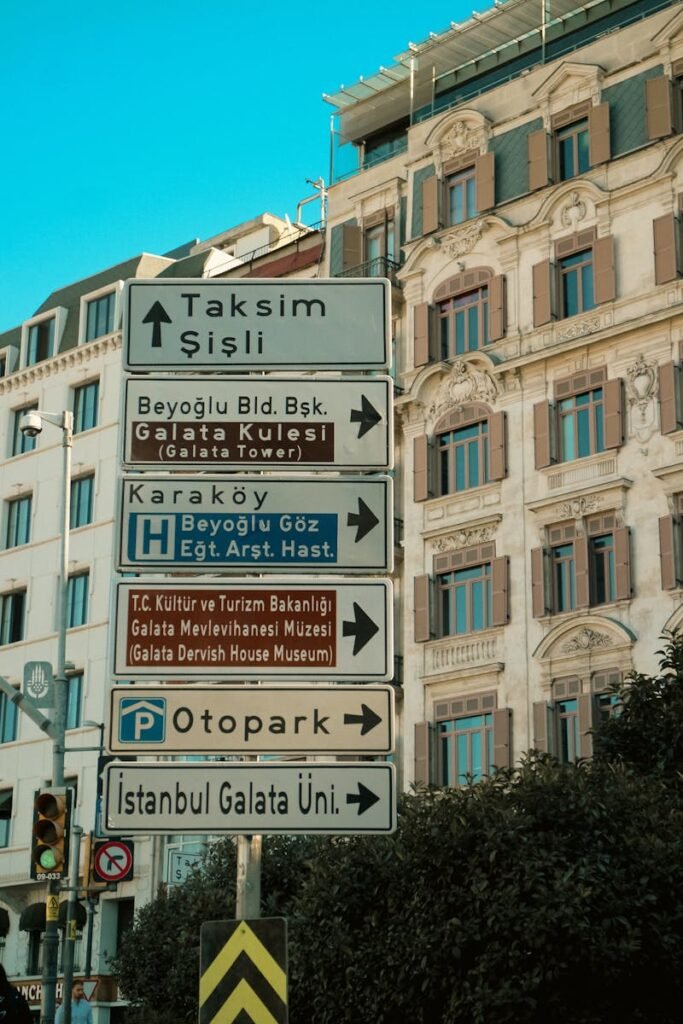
(467, 313)
(468, 450)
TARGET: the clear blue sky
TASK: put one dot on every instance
(136, 126)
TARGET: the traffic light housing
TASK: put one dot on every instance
(50, 843)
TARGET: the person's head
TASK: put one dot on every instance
(77, 992)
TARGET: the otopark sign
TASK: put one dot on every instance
(248, 798)
(287, 524)
(226, 325)
(206, 422)
(289, 719)
(253, 629)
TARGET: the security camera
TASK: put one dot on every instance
(31, 424)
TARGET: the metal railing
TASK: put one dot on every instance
(381, 266)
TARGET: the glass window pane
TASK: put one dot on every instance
(461, 610)
(460, 480)
(463, 759)
(471, 198)
(583, 430)
(583, 151)
(566, 150)
(477, 768)
(444, 328)
(473, 463)
(477, 605)
(571, 293)
(568, 437)
(588, 301)
(460, 333)
(473, 328)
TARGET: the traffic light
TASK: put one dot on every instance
(50, 846)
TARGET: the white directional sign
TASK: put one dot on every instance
(253, 629)
(206, 523)
(256, 325)
(251, 720)
(258, 422)
(240, 799)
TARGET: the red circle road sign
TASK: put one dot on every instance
(113, 861)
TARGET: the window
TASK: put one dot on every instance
(567, 719)
(586, 418)
(100, 316)
(582, 421)
(585, 569)
(380, 247)
(12, 617)
(576, 283)
(77, 600)
(463, 458)
(573, 155)
(580, 276)
(465, 597)
(85, 406)
(8, 719)
(603, 583)
(18, 522)
(41, 338)
(5, 816)
(564, 577)
(81, 509)
(34, 959)
(463, 323)
(466, 749)
(21, 443)
(461, 201)
(74, 701)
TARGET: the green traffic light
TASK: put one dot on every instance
(48, 860)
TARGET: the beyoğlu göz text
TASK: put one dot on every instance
(227, 798)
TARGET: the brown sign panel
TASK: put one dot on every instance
(253, 630)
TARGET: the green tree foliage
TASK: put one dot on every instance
(546, 893)
(646, 734)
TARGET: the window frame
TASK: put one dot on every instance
(577, 133)
(18, 526)
(587, 421)
(113, 288)
(577, 269)
(6, 820)
(8, 616)
(57, 316)
(74, 701)
(22, 444)
(81, 395)
(9, 720)
(38, 346)
(464, 179)
(475, 449)
(76, 500)
(475, 582)
(459, 331)
(77, 599)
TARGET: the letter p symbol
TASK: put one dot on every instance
(142, 720)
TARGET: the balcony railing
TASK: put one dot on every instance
(381, 266)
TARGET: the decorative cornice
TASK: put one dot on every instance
(641, 382)
(465, 538)
(79, 356)
(459, 243)
(465, 383)
(578, 329)
(576, 507)
(574, 211)
(586, 640)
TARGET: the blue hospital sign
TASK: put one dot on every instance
(142, 721)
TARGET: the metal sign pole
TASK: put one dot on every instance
(70, 930)
(248, 888)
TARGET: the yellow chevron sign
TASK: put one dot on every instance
(243, 970)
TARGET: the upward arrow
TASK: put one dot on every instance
(362, 628)
(157, 316)
(365, 519)
(367, 416)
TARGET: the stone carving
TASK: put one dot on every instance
(461, 137)
(465, 383)
(577, 507)
(586, 640)
(465, 538)
(573, 212)
(459, 243)
(578, 329)
(641, 392)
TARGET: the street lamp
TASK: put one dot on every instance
(31, 424)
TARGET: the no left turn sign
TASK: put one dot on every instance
(113, 861)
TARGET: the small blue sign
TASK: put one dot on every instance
(142, 720)
(229, 538)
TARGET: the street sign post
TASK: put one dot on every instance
(253, 629)
(205, 523)
(256, 325)
(263, 422)
(251, 720)
(248, 798)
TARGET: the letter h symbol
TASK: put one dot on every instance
(154, 537)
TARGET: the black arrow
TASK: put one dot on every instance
(363, 628)
(367, 719)
(157, 316)
(367, 416)
(365, 519)
(365, 798)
